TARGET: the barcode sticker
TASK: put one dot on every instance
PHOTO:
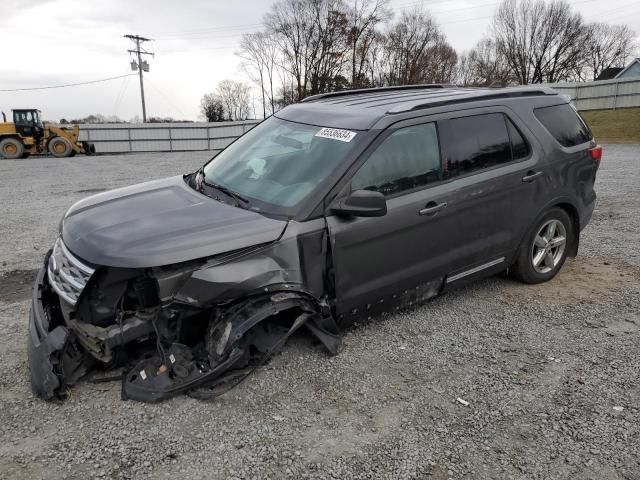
(336, 134)
(172, 358)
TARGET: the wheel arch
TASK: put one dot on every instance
(246, 313)
(569, 207)
(17, 136)
(572, 211)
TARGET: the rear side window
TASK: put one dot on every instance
(476, 143)
(564, 123)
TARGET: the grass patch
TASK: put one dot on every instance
(614, 126)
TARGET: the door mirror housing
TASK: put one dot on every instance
(361, 203)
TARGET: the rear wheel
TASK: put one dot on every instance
(11, 148)
(60, 147)
(545, 251)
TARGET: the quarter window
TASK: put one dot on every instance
(564, 123)
(476, 143)
(409, 158)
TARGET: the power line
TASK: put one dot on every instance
(166, 98)
(200, 31)
(65, 85)
(209, 29)
(169, 52)
(121, 93)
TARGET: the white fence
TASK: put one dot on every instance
(168, 137)
(603, 94)
(162, 137)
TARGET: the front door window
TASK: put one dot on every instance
(407, 160)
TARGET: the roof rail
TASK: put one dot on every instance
(490, 95)
(362, 91)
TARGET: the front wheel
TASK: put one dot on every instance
(60, 147)
(545, 250)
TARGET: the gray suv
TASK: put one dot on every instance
(334, 209)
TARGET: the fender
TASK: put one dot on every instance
(569, 206)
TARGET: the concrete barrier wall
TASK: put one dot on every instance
(163, 137)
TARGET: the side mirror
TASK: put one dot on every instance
(361, 203)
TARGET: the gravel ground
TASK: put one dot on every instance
(550, 372)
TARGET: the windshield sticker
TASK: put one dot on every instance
(336, 134)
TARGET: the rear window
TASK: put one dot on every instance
(564, 123)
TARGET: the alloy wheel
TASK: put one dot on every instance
(548, 246)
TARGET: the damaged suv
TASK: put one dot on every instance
(335, 209)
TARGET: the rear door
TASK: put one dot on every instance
(496, 173)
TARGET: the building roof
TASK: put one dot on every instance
(631, 64)
(609, 73)
(360, 109)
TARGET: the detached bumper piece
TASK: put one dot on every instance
(54, 358)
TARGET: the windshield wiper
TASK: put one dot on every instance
(200, 182)
(227, 191)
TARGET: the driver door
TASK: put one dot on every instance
(25, 124)
(378, 259)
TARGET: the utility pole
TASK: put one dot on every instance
(140, 66)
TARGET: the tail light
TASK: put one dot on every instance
(596, 154)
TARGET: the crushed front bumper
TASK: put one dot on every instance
(52, 363)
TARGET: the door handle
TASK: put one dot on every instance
(432, 208)
(531, 176)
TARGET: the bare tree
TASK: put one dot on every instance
(328, 59)
(439, 63)
(606, 46)
(235, 98)
(465, 72)
(540, 41)
(363, 17)
(312, 39)
(408, 45)
(260, 54)
(484, 66)
(376, 61)
(294, 33)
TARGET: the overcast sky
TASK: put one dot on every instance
(53, 42)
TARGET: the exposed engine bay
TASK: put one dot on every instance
(166, 331)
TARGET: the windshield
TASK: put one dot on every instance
(280, 162)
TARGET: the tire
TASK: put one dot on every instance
(545, 250)
(89, 148)
(60, 147)
(11, 148)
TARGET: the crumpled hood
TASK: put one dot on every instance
(159, 223)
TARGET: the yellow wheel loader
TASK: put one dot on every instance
(28, 135)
